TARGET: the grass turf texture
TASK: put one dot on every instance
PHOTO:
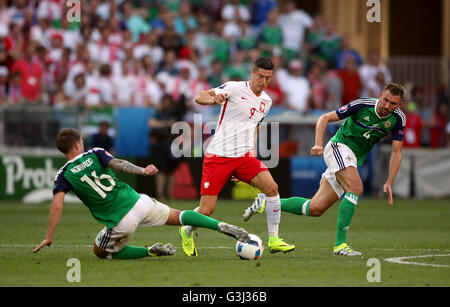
(410, 228)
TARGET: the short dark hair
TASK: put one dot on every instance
(396, 90)
(66, 139)
(263, 63)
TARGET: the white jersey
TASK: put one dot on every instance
(240, 114)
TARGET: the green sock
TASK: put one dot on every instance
(195, 219)
(345, 214)
(295, 205)
(131, 252)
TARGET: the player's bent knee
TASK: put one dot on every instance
(357, 189)
(316, 211)
(271, 189)
(206, 211)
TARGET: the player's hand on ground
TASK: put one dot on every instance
(316, 150)
(150, 170)
(387, 188)
(46, 242)
(220, 98)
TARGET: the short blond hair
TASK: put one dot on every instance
(396, 90)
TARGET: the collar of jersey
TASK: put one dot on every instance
(376, 112)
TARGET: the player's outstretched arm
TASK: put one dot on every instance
(394, 165)
(321, 127)
(206, 97)
(130, 168)
(54, 217)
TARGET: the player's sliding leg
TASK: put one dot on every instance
(190, 217)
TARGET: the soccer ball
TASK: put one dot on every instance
(251, 250)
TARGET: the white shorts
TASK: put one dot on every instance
(337, 156)
(147, 212)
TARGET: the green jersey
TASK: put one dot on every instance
(89, 177)
(363, 127)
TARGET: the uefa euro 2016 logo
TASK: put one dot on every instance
(74, 12)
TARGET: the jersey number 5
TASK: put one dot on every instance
(97, 185)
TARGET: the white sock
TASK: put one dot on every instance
(188, 228)
(273, 213)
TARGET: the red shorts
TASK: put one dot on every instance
(218, 170)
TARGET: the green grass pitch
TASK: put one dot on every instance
(418, 230)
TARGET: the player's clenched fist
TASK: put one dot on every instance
(150, 170)
(220, 98)
(316, 150)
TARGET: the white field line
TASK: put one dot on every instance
(232, 247)
(401, 260)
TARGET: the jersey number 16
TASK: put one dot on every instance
(97, 185)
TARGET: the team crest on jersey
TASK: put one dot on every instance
(387, 124)
(343, 109)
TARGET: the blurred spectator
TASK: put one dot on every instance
(103, 51)
(275, 92)
(246, 39)
(149, 46)
(375, 87)
(233, 11)
(315, 33)
(102, 139)
(31, 72)
(296, 87)
(333, 84)
(414, 126)
(438, 126)
(106, 86)
(259, 12)
(124, 82)
(201, 41)
(218, 45)
(76, 91)
(328, 45)
(238, 69)
(4, 72)
(170, 39)
(160, 143)
(346, 49)
(293, 23)
(195, 87)
(168, 66)
(216, 76)
(15, 88)
(146, 90)
(134, 23)
(351, 81)
(180, 85)
(369, 71)
(271, 37)
(316, 78)
(185, 21)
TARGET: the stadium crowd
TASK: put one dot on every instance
(134, 53)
